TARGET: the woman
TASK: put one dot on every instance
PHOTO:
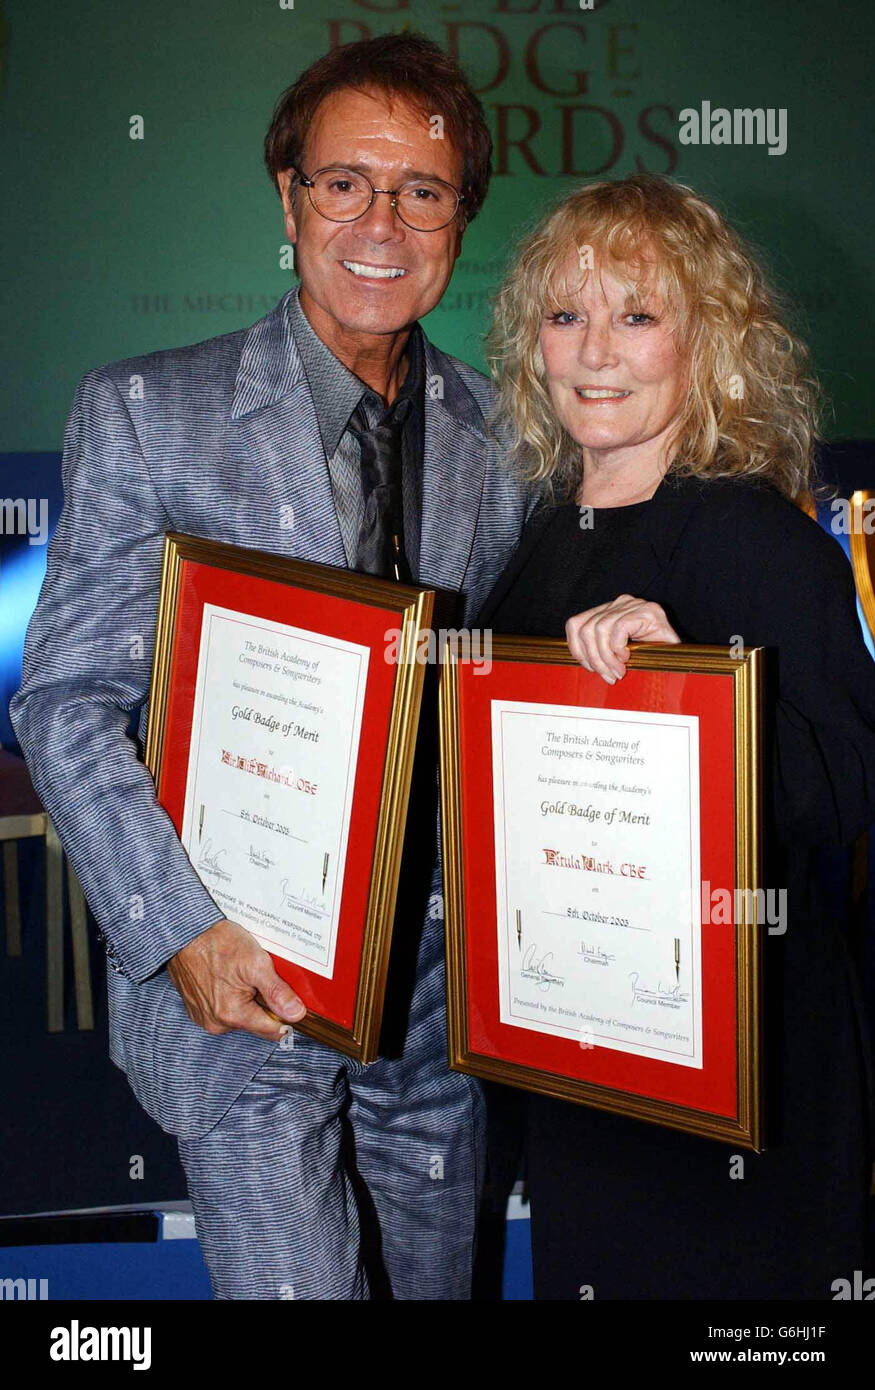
(646, 377)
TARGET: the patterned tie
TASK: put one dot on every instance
(381, 537)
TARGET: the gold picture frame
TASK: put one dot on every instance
(745, 1127)
(863, 558)
(411, 608)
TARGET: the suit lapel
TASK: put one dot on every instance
(535, 527)
(276, 450)
(454, 468)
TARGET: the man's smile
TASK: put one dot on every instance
(373, 272)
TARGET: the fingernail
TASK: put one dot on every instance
(297, 1011)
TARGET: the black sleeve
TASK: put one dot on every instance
(823, 765)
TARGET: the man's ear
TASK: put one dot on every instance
(288, 191)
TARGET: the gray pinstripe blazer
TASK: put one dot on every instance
(215, 440)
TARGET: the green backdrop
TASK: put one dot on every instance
(112, 246)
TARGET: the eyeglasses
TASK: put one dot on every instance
(342, 195)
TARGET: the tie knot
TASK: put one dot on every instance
(392, 419)
(397, 413)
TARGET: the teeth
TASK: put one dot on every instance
(602, 395)
(374, 272)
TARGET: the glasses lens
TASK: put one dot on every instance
(340, 194)
(427, 204)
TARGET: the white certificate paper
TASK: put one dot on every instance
(598, 878)
(274, 747)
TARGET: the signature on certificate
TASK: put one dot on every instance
(594, 955)
(260, 858)
(672, 997)
(312, 904)
(209, 861)
(535, 967)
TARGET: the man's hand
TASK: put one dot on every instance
(219, 975)
(599, 638)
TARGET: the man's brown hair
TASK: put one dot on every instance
(401, 65)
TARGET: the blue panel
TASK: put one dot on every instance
(516, 1285)
(167, 1270)
(22, 566)
(173, 1270)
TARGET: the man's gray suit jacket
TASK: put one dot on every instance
(218, 439)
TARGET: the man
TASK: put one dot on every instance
(310, 1175)
(289, 1151)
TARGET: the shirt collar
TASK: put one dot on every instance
(336, 391)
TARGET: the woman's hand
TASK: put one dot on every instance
(599, 638)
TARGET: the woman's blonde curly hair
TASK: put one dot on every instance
(751, 404)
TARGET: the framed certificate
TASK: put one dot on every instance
(282, 725)
(601, 868)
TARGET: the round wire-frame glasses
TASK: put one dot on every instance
(344, 195)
